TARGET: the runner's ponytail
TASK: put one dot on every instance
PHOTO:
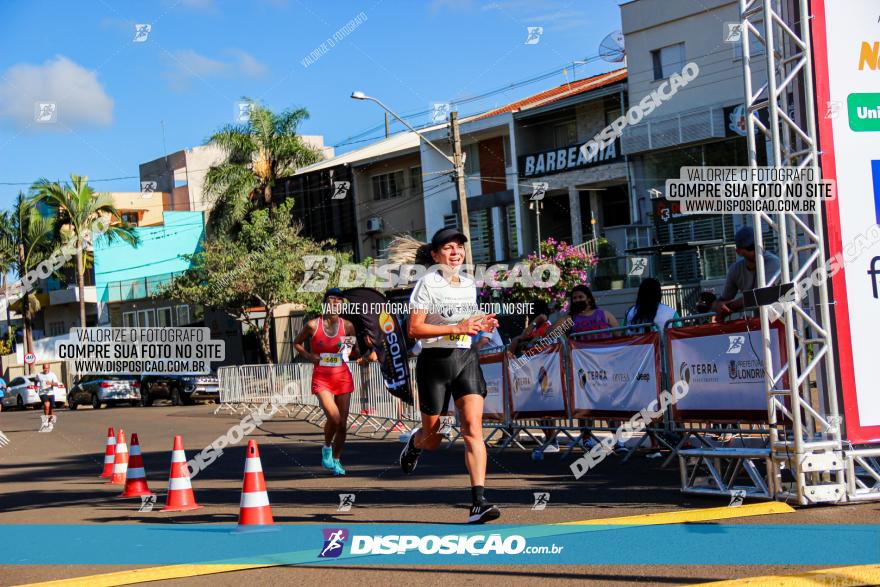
(405, 250)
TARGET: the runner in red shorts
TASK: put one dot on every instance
(331, 344)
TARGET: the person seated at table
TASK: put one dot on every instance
(649, 308)
(742, 274)
(537, 328)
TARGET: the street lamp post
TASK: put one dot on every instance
(457, 162)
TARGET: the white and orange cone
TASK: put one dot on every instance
(180, 496)
(135, 476)
(254, 509)
(109, 454)
(120, 462)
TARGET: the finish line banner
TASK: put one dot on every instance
(441, 544)
(846, 49)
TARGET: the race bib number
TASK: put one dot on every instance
(459, 338)
(330, 360)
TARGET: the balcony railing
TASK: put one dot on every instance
(138, 289)
(590, 247)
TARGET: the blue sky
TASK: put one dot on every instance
(202, 56)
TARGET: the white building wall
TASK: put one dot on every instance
(702, 26)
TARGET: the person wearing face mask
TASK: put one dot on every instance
(584, 314)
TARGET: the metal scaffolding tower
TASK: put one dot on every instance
(806, 446)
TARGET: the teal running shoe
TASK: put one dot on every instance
(327, 457)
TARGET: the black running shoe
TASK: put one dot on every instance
(409, 456)
(480, 514)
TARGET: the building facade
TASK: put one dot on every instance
(703, 124)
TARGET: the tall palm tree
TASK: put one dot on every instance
(31, 236)
(77, 209)
(7, 258)
(256, 154)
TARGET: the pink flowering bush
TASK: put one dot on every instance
(574, 267)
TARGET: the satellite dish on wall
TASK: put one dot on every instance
(612, 48)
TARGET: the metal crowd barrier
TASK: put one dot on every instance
(375, 413)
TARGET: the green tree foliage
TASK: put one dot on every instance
(261, 266)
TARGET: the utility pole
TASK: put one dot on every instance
(537, 204)
(458, 162)
(387, 127)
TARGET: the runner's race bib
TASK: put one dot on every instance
(462, 338)
(330, 360)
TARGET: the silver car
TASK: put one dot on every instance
(100, 390)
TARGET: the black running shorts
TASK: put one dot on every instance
(445, 373)
(45, 397)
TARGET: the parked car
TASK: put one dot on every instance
(179, 388)
(99, 390)
(24, 391)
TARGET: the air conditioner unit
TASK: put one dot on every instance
(375, 224)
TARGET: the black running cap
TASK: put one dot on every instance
(444, 235)
(333, 292)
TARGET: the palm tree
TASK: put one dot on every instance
(77, 210)
(30, 236)
(256, 154)
(7, 259)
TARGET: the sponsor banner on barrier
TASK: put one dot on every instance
(847, 65)
(493, 367)
(537, 387)
(615, 378)
(724, 369)
(442, 544)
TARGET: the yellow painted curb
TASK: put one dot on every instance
(840, 577)
(701, 515)
(150, 574)
(180, 571)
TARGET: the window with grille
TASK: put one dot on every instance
(183, 317)
(415, 181)
(164, 316)
(388, 185)
(471, 159)
(565, 134)
(381, 244)
(482, 243)
(511, 231)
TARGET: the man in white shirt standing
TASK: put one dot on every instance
(47, 382)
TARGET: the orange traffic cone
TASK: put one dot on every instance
(254, 508)
(109, 454)
(120, 462)
(135, 476)
(180, 496)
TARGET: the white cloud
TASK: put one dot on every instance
(453, 5)
(188, 65)
(248, 64)
(79, 97)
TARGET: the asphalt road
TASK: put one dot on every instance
(53, 478)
